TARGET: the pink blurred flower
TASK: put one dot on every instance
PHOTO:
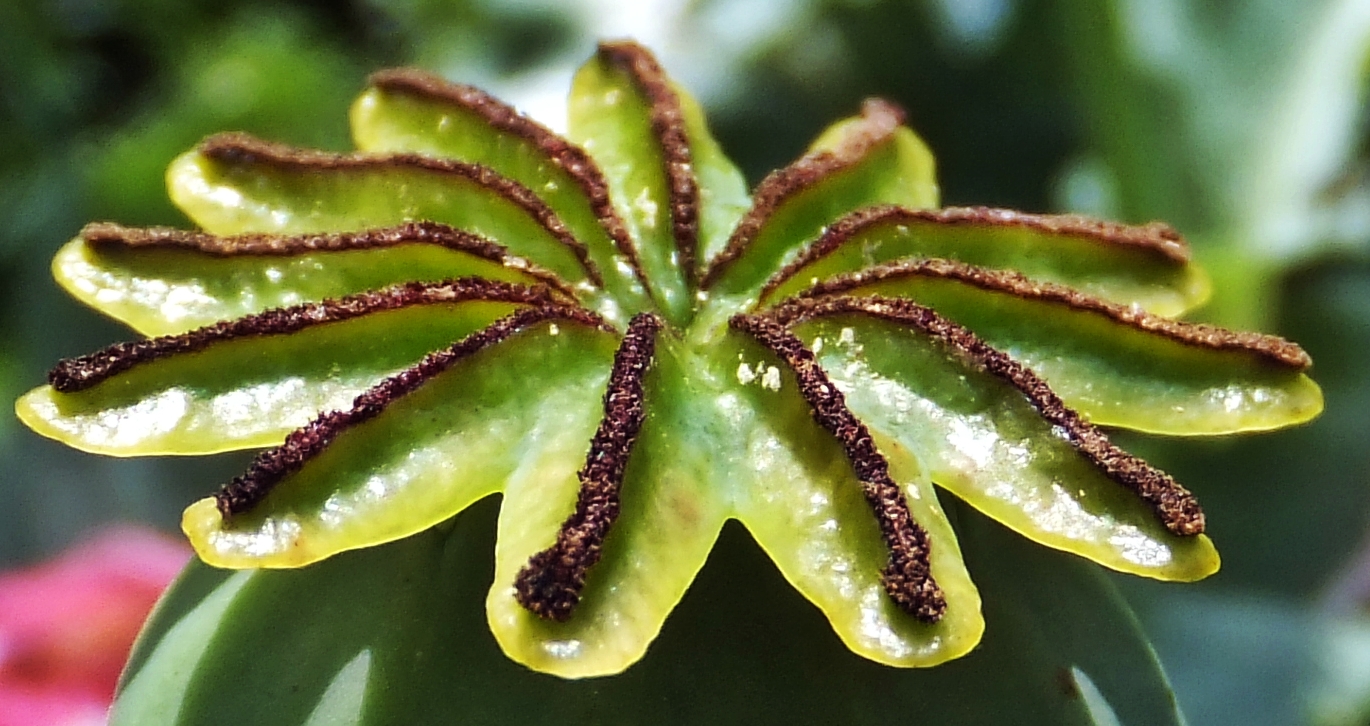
(66, 625)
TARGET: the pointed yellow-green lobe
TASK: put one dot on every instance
(1147, 266)
(397, 464)
(164, 281)
(796, 492)
(670, 182)
(804, 506)
(1118, 366)
(248, 391)
(982, 439)
(828, 448)
(674, 504)
(868, 160)
(235, 184)
(408, 110)
(723, 196)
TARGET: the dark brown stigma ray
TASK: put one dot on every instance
(77, 374)
(1174, 506)
(107, 234)
(1157, 238)
(668, 125)
(568, 157)
(270, 467)
(879, 120)
(1270, 348)
(239, 148)
(907, 576)
(550, 585)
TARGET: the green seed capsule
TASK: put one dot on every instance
(608, 332)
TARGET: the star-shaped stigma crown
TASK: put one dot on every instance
(611, 332)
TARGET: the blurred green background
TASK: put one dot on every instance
(1241, 122)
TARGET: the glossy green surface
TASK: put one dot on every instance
(796, 493)
(252, 195)
(395, 635)
(424, 459)
(672, 511)
(1118, 375)
(1117, 273)
(727, 435)
(384, 121)
(249, 392)
(899, 170)
(982, 440)
(723, 196)
(705, 454)
(159, 291)
(609, 115)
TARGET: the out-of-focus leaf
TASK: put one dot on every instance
(1341, 694)
(1232, 656)
(1238, 124)
(269, 71)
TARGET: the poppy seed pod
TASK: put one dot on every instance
(609, 331)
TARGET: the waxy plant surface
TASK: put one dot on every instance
(611, 332)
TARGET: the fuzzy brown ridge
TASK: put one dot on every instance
(668, 125)
(1156, 238)
(879, 120)
(101, 234)
(550, 585)
(1272, 349)
(243, 149)
(907, 575)
(76, 374)
(303, 444)
(1175, 506)
(565, 155)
